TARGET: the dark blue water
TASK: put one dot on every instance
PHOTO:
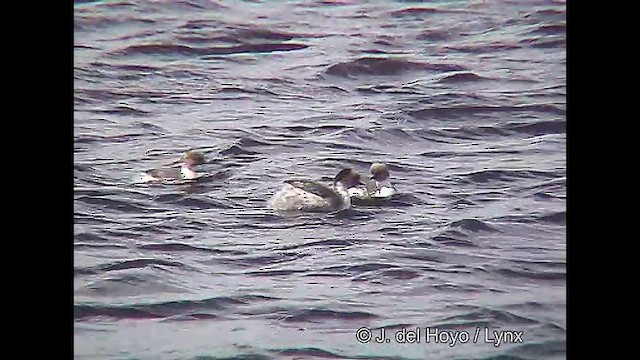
(465, 100)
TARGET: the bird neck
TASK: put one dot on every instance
(187, 171)
(342, 189)
(382, 183)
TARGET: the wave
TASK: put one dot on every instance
(185, 50)
(385, 66)
(315, 315)
(163, 309)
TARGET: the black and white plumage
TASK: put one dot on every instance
(186, 171)
(378, 186)
(312, 196)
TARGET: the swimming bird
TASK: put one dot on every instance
(190, 160)
(379, 184)
(312, 196)
(378, 187)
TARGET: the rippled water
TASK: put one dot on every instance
(465, 100)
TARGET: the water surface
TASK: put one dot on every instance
(465, 100)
